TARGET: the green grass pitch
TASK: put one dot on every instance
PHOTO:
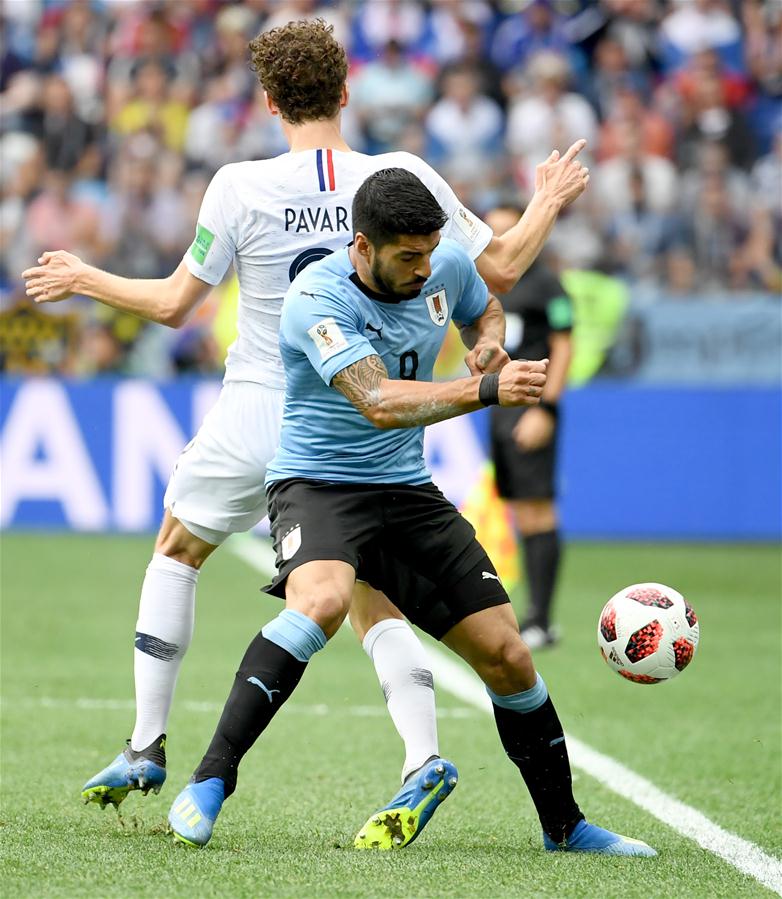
(711, 739)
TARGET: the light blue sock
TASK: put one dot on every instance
(526, 701)
(296, 634)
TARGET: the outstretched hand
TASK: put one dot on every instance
(563, 178)
(54, 278)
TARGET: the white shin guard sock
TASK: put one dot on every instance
(163, 633)
(403, 671)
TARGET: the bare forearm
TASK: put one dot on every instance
(490, 327)
(410, 404)
(147, 298)
(520, 246)
(391, 403)
(60, 275)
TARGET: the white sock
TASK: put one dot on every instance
(403, 671)
(163, 633)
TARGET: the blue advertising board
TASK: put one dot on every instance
(651, 462)
(636, 462)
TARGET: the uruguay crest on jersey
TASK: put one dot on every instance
(291, 542)
(437, 304)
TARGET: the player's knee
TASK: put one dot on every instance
(508, 668)
(326, 603)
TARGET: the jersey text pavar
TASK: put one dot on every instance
(318, 218)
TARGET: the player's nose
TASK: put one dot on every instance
(423, 270)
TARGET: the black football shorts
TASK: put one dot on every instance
(520, 474)
(407, 540)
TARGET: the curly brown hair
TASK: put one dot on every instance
(302, 68)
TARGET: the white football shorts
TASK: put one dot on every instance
(216, 487)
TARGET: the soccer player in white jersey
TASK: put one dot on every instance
(271, 218)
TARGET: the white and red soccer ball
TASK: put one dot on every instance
(647, 633)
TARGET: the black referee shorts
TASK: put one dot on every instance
(520, 474)
(406, 540)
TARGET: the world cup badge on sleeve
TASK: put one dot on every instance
(438, 307)
(466, 224)
(327, 337)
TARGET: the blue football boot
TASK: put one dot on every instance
(193, 814)
(591, 838)
(402, 820)
(143, 770)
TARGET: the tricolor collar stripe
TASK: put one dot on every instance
(329, 168)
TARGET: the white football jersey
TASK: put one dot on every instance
(273, 217)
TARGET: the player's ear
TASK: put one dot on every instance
(362, 245)
(345, 96)
(271, 106)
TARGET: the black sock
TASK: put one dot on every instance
(266, 678)
(541, 564)
(535, 743)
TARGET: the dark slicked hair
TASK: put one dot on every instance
(392, 202)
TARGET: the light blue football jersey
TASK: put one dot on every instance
(329, 322)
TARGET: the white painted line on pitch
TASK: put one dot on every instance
(461, 682)
(317, 710)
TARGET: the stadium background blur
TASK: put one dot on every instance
(113, 116)
(116, 114)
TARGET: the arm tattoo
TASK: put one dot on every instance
(360, 382)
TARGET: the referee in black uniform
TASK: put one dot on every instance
(523, 441)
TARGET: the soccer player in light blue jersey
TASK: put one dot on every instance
(350, 496)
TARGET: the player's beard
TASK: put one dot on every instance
(386, 285)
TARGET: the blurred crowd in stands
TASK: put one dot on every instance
(115, 114)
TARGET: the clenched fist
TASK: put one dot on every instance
(522, 383)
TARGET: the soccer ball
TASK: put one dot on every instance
(647, 633)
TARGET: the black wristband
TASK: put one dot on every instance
(551, 408)
(489, 389)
